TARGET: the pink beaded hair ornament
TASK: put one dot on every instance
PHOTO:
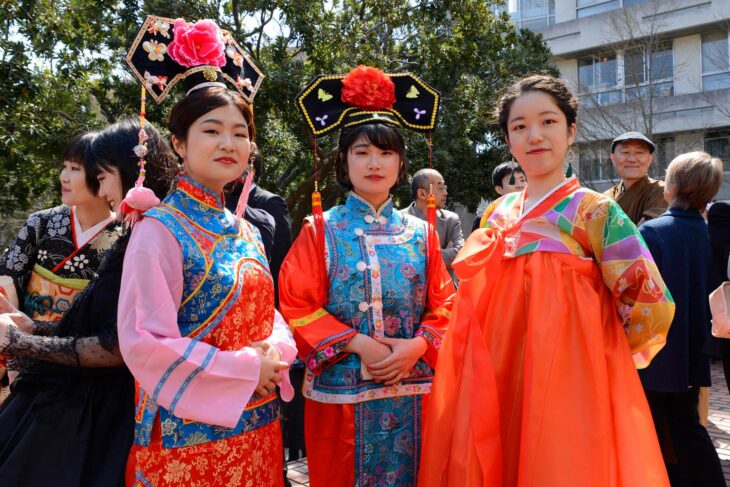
(167, 51)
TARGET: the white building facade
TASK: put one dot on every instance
(660, 67)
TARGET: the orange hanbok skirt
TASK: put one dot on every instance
(536, 385)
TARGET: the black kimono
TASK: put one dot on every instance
(73, 424)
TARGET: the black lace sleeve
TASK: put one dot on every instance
(78, 352)
(44, 328)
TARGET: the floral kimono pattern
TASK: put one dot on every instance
(47, 265)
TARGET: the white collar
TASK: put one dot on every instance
(83, 237)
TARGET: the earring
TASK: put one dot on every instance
(570, 157)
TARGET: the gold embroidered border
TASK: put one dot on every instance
(305, 320)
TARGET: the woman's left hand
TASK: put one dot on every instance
(269, 350)
(395, 367)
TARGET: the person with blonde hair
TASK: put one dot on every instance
(680, 244)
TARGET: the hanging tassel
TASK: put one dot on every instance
(318, 220)
(432, 240)
(318, 217)
(569, 171)
(243, 199)
(139, 199)
(431, 234)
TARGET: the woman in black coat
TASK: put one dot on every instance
(679, 242)
(69, 420)
(718, 223)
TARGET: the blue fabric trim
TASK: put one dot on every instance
(172, 368)
(190, 378)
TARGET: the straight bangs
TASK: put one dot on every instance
(383, 137)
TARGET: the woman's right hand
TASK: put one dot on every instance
(23, 322)
(268, 373)
(369, 349)
(8, 333)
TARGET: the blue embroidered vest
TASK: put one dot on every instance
(224, 267)
(376, 263)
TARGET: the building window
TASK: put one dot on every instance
(633, 74)
(648, 69)
(663, 155)
(532, 14)
(586, 8)
(715, 61)
(598, 76)
(717, 144)
(595, 162)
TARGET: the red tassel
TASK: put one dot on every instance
(318, 218)
(431, 238)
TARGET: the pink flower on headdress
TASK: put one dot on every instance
(197, 44)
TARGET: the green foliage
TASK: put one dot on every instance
(62, 71)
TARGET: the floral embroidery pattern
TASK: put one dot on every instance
(59, 224)
(253, 459)
(387, 435)
(16, 259)
(76, 262)
(159, 81)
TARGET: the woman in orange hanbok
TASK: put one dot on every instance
(559, 302)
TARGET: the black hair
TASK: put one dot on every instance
(203, 100)
(113, 148)
(556, 88)
(503, 170)
(75, 151)
(382, 136)
(257, 161)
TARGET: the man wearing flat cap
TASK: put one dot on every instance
(641, 197)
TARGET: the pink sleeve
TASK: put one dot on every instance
(191, 379)
(282, 339)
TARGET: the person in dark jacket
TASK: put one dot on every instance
(718, 223)
(679, 242)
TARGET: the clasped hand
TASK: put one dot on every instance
(390, 360)
(270, 364)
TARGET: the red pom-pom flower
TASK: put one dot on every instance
(368, 88)
(197, 44)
